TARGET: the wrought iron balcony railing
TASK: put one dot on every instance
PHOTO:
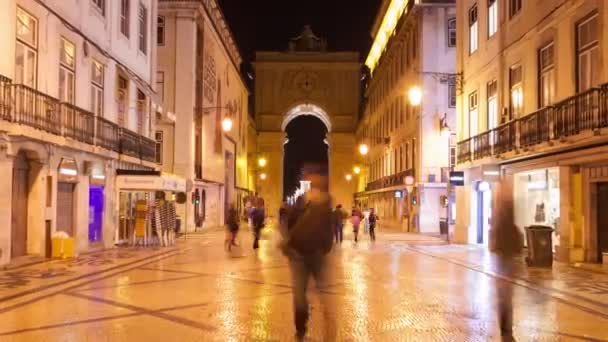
(388, 181)
(27, 106)
(583, 112)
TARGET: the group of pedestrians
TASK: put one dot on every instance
(254, 212)
(356, 219)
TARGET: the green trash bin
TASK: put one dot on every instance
(540, 246)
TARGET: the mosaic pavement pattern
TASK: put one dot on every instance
(402, 288)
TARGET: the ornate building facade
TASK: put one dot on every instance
(408, 115)
(77, 103)
(306, 80)
(532, 121)
(202, 87)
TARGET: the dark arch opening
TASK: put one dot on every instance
(306, 135)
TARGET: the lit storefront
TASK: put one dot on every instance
(536, 196)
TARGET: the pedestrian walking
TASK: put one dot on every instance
(373, 218)
(355, 220)
(232, 225)
(339, 217)
(508, 244)
(258, 223)
(310, 238)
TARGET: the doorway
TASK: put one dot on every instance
(602, 219)
(96, 203)
(484, 212)
(65, 208)
(19, 212)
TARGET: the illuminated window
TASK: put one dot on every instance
(473, 29)
(452, 32)
(492, 17)
(517, 92)
(546, 79)
(473, 114)
(588, 53)
(66, 71)
(492, 101)
(26, 54)
(97, 73)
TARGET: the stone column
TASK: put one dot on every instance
(6, 186)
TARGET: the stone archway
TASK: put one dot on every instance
(306, 128)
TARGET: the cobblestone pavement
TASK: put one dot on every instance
(402, 288)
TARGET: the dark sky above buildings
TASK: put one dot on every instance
(269, 24)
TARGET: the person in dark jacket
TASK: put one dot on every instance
(339, 217)
(310, 239)
(232, 223)
(258, 223)
(373, 218)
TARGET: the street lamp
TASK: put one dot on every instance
(443, 126)
(357, 170)
(363, 149)
(227, 124)
(262, 162)
(415, 95)
(263, 176)
(348, 177)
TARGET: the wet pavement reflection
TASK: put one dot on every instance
(401, 288)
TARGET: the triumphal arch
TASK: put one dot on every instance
(307, 79)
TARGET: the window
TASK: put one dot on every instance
(546, 79)
(452, 151)
(452, 32)
(473, 116)
(125, 12)
(160, 84)
(514, 7)
(100, 5)
(160, 30)
(414, 154)
(588, 53)
(492, 89)
(158, 137)
(517, 92)
(123, 91)
(66, 71)
(143, 28)
(141, 112)
(407, 155)
(26, 54)
(452, 92)
(97, 88)
(492, 17)
(401, 158)
(473, 29)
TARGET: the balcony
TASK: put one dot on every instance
(388, 181)
(27, 106)
(584, 112)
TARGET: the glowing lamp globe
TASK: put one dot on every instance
(357, 170)
(227, 124)
(415, 96)
(363, 149)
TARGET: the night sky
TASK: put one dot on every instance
(267, 25)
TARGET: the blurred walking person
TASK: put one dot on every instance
(339, 217)
(232, 223)
(355, 220)
(508, 244)
(259, 215)
(310, 238)
(373, 218)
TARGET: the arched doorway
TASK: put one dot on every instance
(306, 128)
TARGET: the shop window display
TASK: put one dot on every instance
(536, 195)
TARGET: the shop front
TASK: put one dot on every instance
(137, 189)
(536, 196)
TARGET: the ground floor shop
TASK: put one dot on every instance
(567, 192)
(49, 189)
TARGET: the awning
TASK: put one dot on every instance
(164, 182)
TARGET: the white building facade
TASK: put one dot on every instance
(76, 97)
(405, 140)
(200, 82)
(532, 120)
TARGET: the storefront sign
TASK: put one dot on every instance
(456, 178)
(164, 183)
(68, 170)
(490, 173)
